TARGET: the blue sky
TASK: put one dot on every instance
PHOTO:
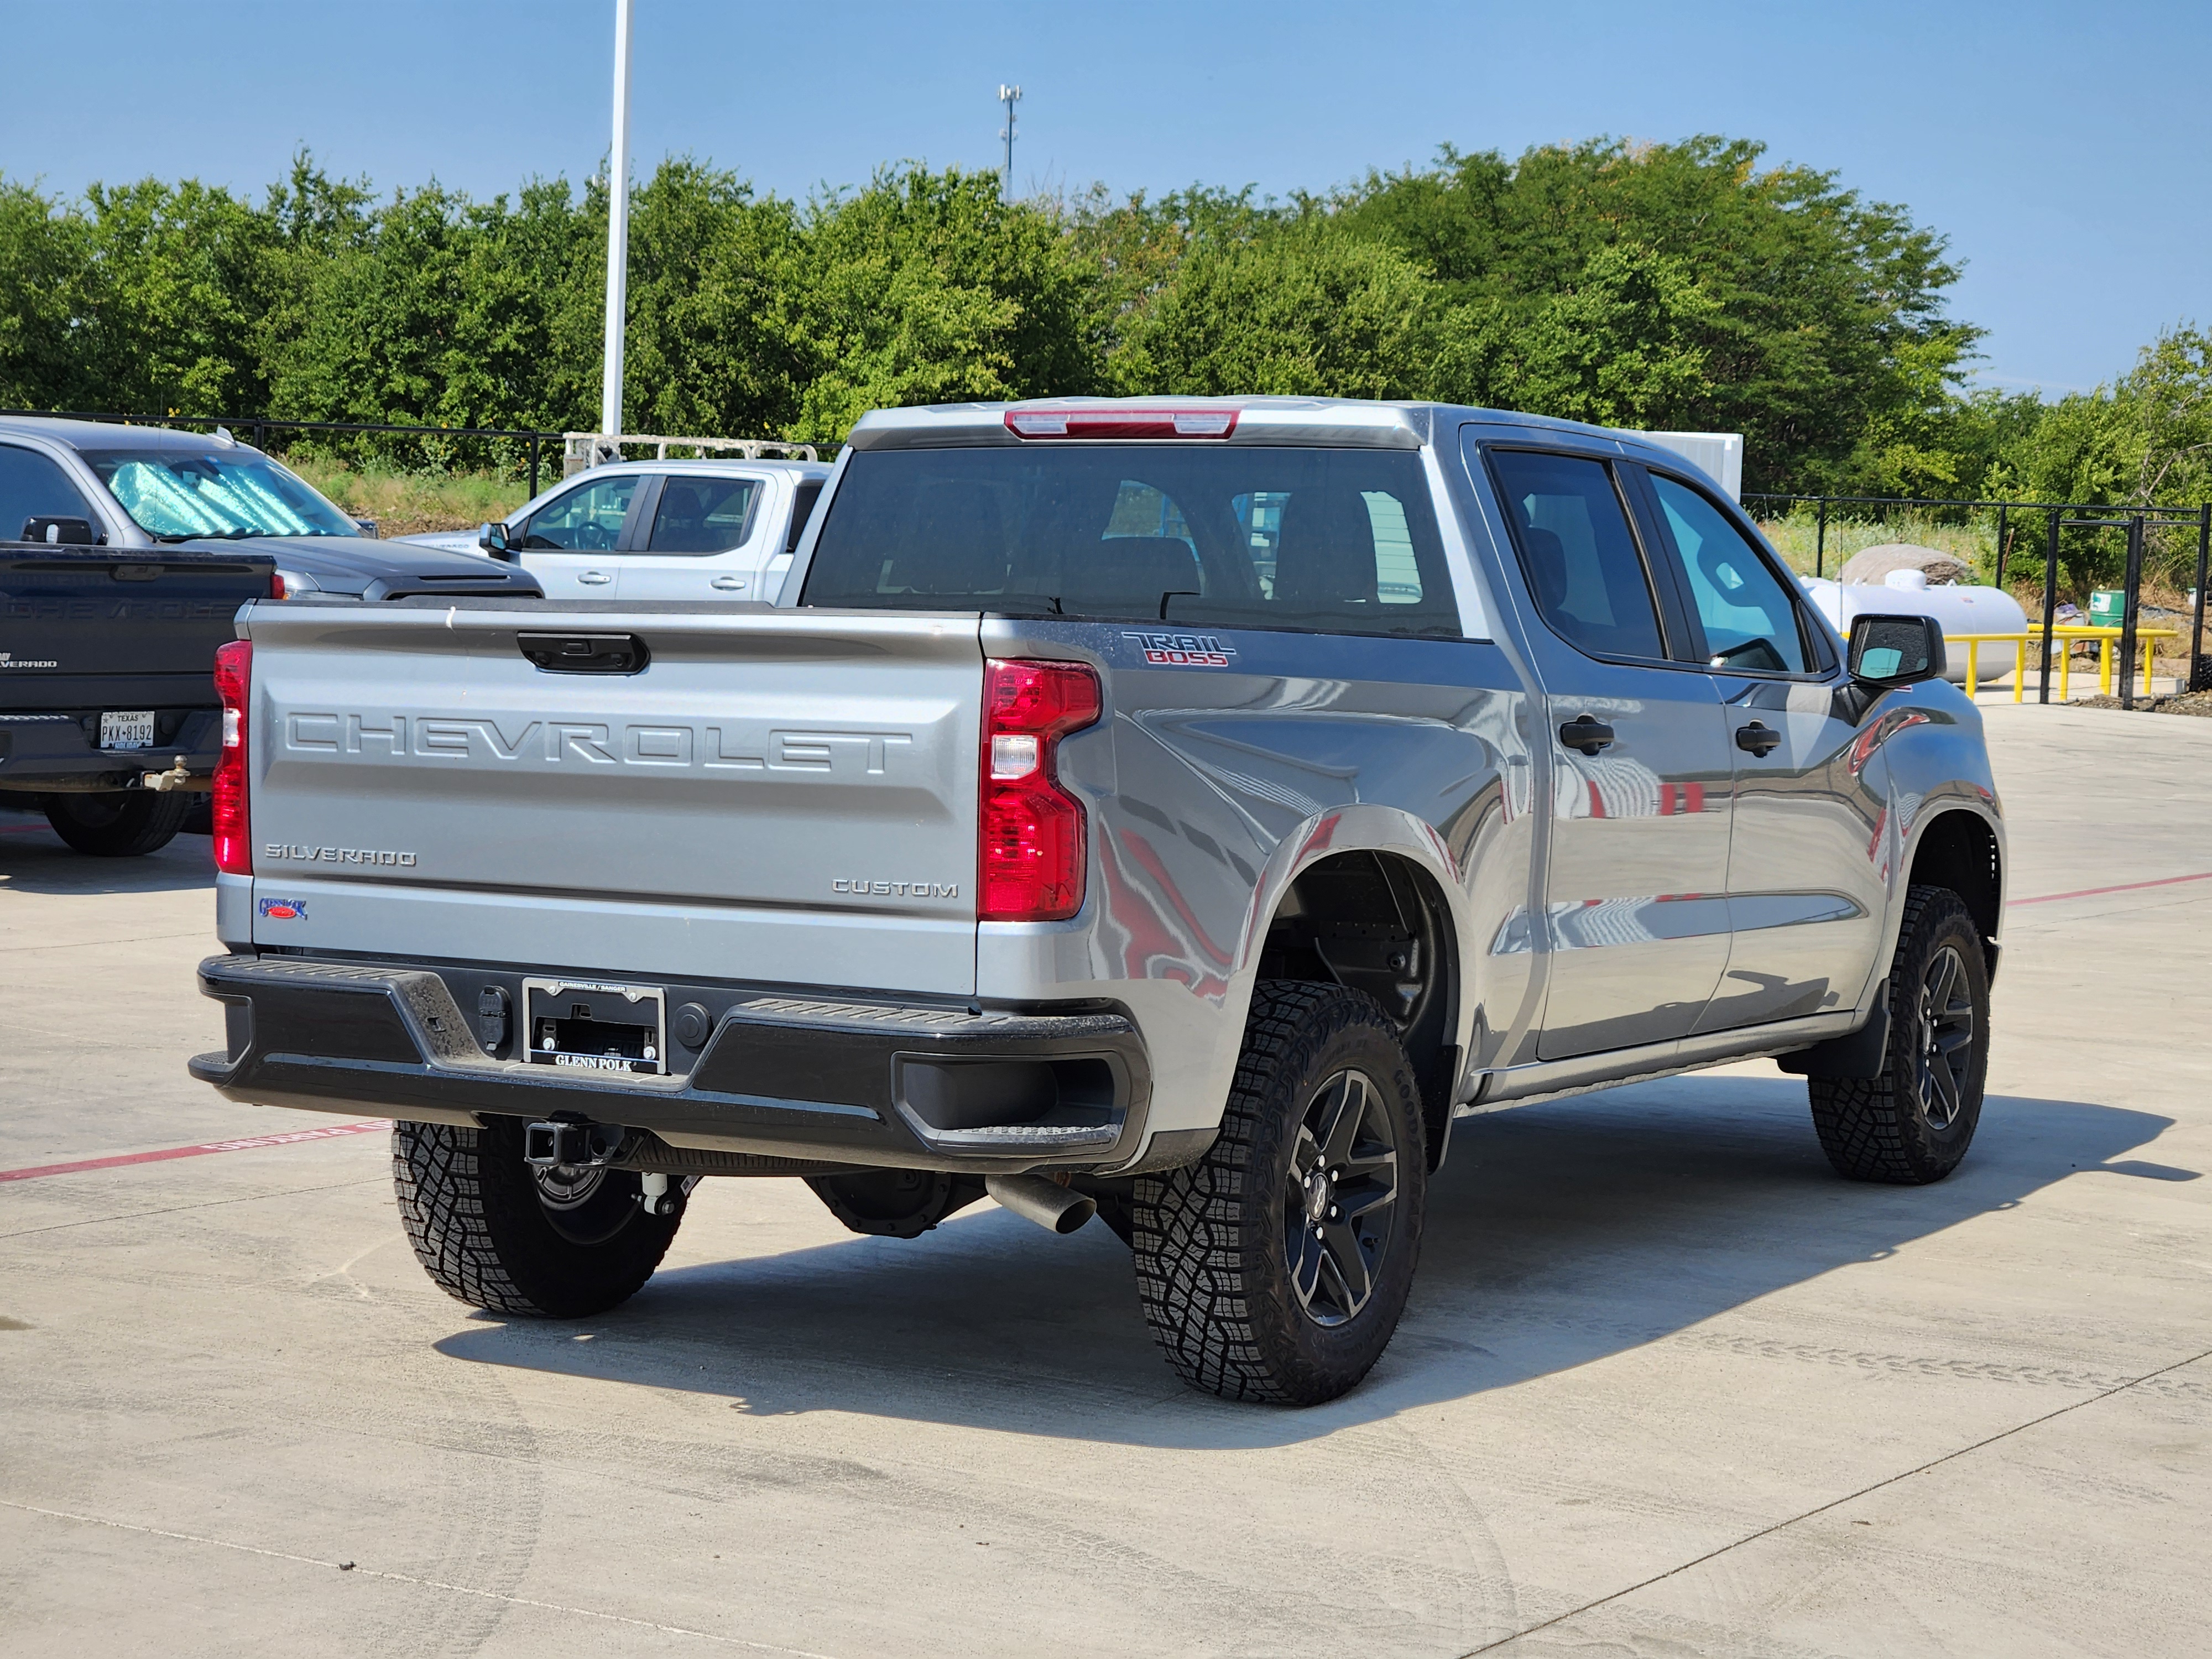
(2063, 148)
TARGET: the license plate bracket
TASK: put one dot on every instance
(131, 728)
(594, 1026)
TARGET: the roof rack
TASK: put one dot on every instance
(583, 450)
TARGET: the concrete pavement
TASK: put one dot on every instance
(1667, 1385)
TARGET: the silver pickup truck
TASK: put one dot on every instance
(1173, 812)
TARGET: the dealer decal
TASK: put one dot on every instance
(1183, 650)
(284, 909)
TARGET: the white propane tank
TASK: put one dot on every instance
(1960, 609)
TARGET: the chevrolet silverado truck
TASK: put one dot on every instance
(1174, 812)
(109, 720)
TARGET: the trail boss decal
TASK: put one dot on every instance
(1183, 650)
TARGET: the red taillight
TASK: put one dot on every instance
(1030, 863)
(234, 683)
(1121, 422)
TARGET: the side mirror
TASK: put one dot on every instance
(1890, 651)
(492, 538)
(367, 526)
(64, 532)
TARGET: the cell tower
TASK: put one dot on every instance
(1009, 96)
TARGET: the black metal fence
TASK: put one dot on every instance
(258, 427)
(2058, 517)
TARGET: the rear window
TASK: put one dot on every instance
(1329, 540)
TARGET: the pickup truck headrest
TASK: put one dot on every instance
(1325, 555)
(1129, 573)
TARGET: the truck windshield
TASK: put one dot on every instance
(1330, 540)
(175, 495)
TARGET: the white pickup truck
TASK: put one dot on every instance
(1177, 813)
(710, 531)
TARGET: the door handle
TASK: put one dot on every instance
(729, 584)
(1586, 734)
(1757, 740)
(593, 577)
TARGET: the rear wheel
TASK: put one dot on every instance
(1275, 1269)
(125, 823)
(1912, 1124)
(491, 1230)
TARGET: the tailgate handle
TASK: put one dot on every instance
(586, 653)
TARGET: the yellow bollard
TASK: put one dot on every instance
(1973, 663)
(2019, 668)
(2104, 664)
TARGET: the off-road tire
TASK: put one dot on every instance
(1211, 1240)
(122, 823)
(1881, 1129)
(473, 1213)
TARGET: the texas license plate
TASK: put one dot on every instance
(591, 1027)
(132, 730)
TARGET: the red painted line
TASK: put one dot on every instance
(245, 1144)
(2123, 887)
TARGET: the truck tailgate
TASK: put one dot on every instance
(116, 627)
(776, 795)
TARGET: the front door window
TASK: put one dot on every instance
(587, 519)
(1751, 626)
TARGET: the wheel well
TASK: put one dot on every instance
(1960, 852)
(1378, 923)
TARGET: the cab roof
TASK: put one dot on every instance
(1335, 423)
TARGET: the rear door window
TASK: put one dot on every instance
(701, 515)
(1328, 540)
(1584, 569)
(802, 509)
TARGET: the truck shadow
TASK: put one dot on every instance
(1558, 1234)
(35, 860)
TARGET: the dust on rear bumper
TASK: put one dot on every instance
(843, 1078)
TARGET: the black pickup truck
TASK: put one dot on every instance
(109, 718)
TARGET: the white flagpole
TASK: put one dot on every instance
(611, 395)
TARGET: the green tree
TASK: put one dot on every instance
(1299, 309)
(44, 254)
(706, 352)
(925, 288)
(1622, 344)
(1814, 312)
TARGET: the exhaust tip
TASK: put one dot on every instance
(1053, 1208)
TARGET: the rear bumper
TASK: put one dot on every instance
(46, 752)
(845, 1080)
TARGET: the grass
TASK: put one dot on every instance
(410, 503)
(1797, 537)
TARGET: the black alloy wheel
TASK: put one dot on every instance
(1912, 1121)
(1944, 1038)
(1340, 1198)
(1276, 1267)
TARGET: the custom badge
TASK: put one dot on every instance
(284, 909)
(1183, 650)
